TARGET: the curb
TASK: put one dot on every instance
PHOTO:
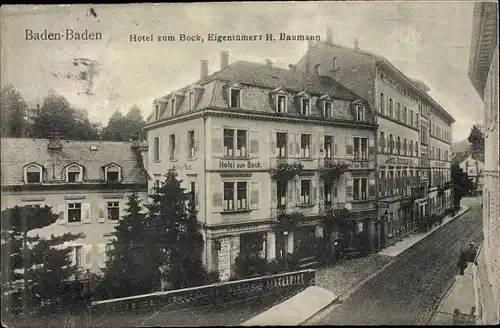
(321, 313)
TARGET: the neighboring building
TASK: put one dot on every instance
(85, 183)
(31, 113)
(473, 166)
(409, 161)
(483, 73)
(225, 133)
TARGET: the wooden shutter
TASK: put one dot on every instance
(254, 144)
(254, 195)
(86, 213)
(291, 144)
(349, 146)
(290, 193)
(371, 188)
(217, 144)
(321, 142)
(177, 146)
(87, 256)
(371, 148)
(217, 197)
(102, 213)
(349, 189)
(196, 142)
(314, 191)
(63, 213)
(314, 145)
(101, 256)
(274, 195)
(272, 142)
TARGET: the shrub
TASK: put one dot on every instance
(212, 277)
(247, 266)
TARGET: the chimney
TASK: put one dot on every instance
(269, 63)
(329, 35)
(292, 67)
(356, 43)
(204, 68)
(224, 60)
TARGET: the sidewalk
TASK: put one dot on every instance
(460, 296)
(411, 240)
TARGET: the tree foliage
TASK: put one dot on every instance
(462, 185)
(13, 109)
(47, 263)
(122, 128)
(476, 138)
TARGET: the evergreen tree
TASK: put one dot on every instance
(131, 268)
(13, 109)
(122, 128)
(173, 226)
(462, 185)
(476, 138)
(38, 264)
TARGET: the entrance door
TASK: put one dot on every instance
(305, 242)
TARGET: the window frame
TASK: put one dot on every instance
(239, 100)
(118, 169)
(308, 100)
(191, 100)
(157, 111)
(306, 151)
(115, 207)
(172, 144)
(304, 182)
(80, 173)
(40, 173)
(361, 155)
(234, 143)
(156, 149)
(234, 191)
(191, 144)
(172, 106)
(282, 149)
(74, 206)
(360, 109)
(285, 102)
(330, 103)
(362, 196)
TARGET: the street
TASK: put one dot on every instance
(408, 291)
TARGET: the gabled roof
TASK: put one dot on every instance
(17, 152)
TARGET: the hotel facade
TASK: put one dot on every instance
(224, 135)
(413, 140)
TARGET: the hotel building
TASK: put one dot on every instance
(404, 113)
(227, 131)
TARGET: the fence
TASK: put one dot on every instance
(209, 294)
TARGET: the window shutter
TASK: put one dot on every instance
(216, 138)
(371, 148)
(371, 188)
(321, 191)
(297, 192)
(349, 147)
(314, 191)
(196, 141)
(290, 189)
(217, 190)
(314, 145)
(291, 144)
(349, 189)
(86, 213)
(87, 253)
(177, 146)
(272, 142)
(254, 195)
(321, 142)
(335, 149)
(101, 256)
(62, 218)
(274, 196)
(254, 143)
(102, 213)
(297, 144)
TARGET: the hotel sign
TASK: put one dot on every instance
(239, 164)
(439, 163)
(395, 160)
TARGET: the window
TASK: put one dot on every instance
(398, 182)
(305, 106)
(113, 210)
(74, 173)
(327, 192)
(411, 148)
(157, 111)
(192, 193)
(360, 113)
(172, 146)
(241, 195)
(156, 149)
(228, 196)
(191, 144)
(281, 193)
(411, 117)
(191, 100)
(305, 145)
(382, 141)
(328, 146)
(398, 146)
(328, 109)
(235, 142)
(360, 188)
(235, 99)
(112, 173)
(360, 148)
(74, 212)
(33, 174)
(334, 63)
(390, 107)
(172, 106)
(391, 144)
(391, 182)
(398, 112)
(404, 146)
(78, 256)
(317, 69)
(382, 104)
(405, 111)
(281, 144)
(281, 106)
(305, 191)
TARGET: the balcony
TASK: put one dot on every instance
(324, 208)
(331, 169)
(284, 168)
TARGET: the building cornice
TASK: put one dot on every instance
(83, 186)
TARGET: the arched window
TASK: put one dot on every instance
(33, 174)
(74, 173)
(112, 173)
(334, 63)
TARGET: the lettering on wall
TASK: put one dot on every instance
(400, 161)
(223, 259)
(182, 167)
(239, 165)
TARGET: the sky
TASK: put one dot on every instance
(429, 41)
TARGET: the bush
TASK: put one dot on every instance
(212, 277)
(247, 267)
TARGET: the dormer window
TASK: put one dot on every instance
(112, 173)
(191, 100)
(33, 174)
(235, 98)
(334, 63)
(281, 104)
(328, 109)
(305, 106)
(74, 173)
(172, 106)
(317, 69)
(157, 111)
(360, 113)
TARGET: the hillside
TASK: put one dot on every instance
(460, 146)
